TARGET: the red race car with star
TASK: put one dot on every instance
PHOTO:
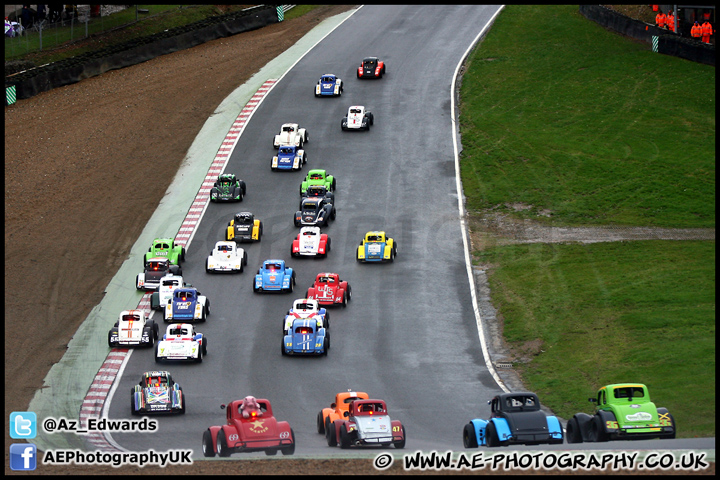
(250, 427)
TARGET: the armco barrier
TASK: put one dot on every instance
(667, 42)
(41, 79)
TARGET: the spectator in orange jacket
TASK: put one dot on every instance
(670, 21)
(696, 31)
(660, 19)
(707, 30)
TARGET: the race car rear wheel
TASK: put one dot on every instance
(222, 447)
(204, 345)
(330, 435)
(207, 444)
(469, 437)
(199, 357)
(282, 346)
(132, 405)
(491, 436)
(320, 423)
(326, 346)
(572, 431)
(344, 300)
(597, 430)
(290, 449)
(157, 350)
(271, 451)
(349, 293)
(344, 437)
(400, 443)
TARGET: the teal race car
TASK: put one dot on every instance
(318, 177)
(165, 248)
(227, 188)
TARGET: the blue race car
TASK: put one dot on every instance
(515, 419)
(306, 337)
(376, 247)
(187, 305)
(289, 157)
(329, 85)
(274, 276)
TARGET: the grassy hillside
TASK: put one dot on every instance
(591, 128)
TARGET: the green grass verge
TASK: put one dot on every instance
(562, 115)
(595, 314)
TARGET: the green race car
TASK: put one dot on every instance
(318, 177)
(165, 248)
(623, 412)
(227, 188)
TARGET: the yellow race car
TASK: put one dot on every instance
(244, 227)
(376, 247)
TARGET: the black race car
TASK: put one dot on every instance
(314, 211)
(227, 188)
(155, 269)
(317, 191)
(244, 227)
(371, 67)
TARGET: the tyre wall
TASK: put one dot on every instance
(667, 43)
(72, 70)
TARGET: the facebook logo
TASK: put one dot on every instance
(23, 456)
(23, 425)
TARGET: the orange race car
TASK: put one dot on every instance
(338, 410)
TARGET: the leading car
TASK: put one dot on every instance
(515, 419)
(329, 289)
(157, 392)
(371, 67)
(250, 426)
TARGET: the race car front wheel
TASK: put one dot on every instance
(572, 431)
(320, 423)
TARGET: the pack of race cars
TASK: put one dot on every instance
(354, 419)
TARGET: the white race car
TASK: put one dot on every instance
(291, 134)
(310, 242)
(181, 342)
(133, 328)
(226, 257)
(357, 119)
(168, 284)
(306, 308)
